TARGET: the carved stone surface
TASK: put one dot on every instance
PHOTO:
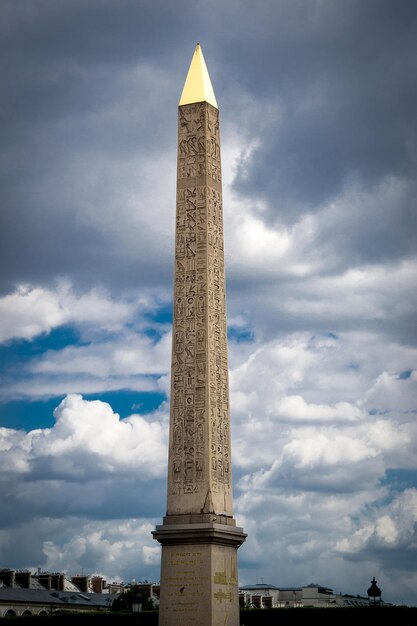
(199, 474)
(200, 585)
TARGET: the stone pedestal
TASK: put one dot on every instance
(199, 570)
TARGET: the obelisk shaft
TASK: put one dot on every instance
(199, 474)
(199, 537)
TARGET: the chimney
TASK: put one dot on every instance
(97, 584)
(58, 581)
(7, 576)
(81, 582)
(45, 579)
(22, 578)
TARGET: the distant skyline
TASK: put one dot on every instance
(317, 103)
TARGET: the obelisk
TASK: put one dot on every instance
(199, 536)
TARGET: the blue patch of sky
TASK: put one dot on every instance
(126, 403)
(400, 479)
(405, 374)
(240, 335)
(15, 351)
(353, 365)
(24, 415)
(378, 411)
(29, 415)
(157, 321)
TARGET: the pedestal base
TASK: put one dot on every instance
(199, 575)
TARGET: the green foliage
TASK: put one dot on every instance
(125, 600)
(342, 616)
(86, 618)
(400, 616)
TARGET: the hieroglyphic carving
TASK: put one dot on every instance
(199, 376)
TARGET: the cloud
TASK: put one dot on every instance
(81, 471)
(296, 408)
(108, 362)
(53, 387)
(117, 550)
(392, 526)
(338, 459)
(387, 533)
(130, 355)
(319, 157)
(87, 438)
(113, 550)
(297, 472)
(338, 121)
(317, 457)
(30, 311)
(319, 400)
(393, 392)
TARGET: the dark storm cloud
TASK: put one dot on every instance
(96, 499)
(67, 69)
(94, 33)
(342, 77)
(86, 90)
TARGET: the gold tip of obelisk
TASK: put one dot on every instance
(197, 87)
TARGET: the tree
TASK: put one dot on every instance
(133, 595)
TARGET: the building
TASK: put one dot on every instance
(25, 593)
(263, 596)
(259, 596)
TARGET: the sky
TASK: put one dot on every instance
(317, 101)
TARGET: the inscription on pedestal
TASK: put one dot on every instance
(198, 580)
(185, 585)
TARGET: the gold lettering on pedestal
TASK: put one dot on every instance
(221, 595)
(233, 570)
(221, 577)
(185, 586)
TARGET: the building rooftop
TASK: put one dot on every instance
(62, 598)
(259, 586)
